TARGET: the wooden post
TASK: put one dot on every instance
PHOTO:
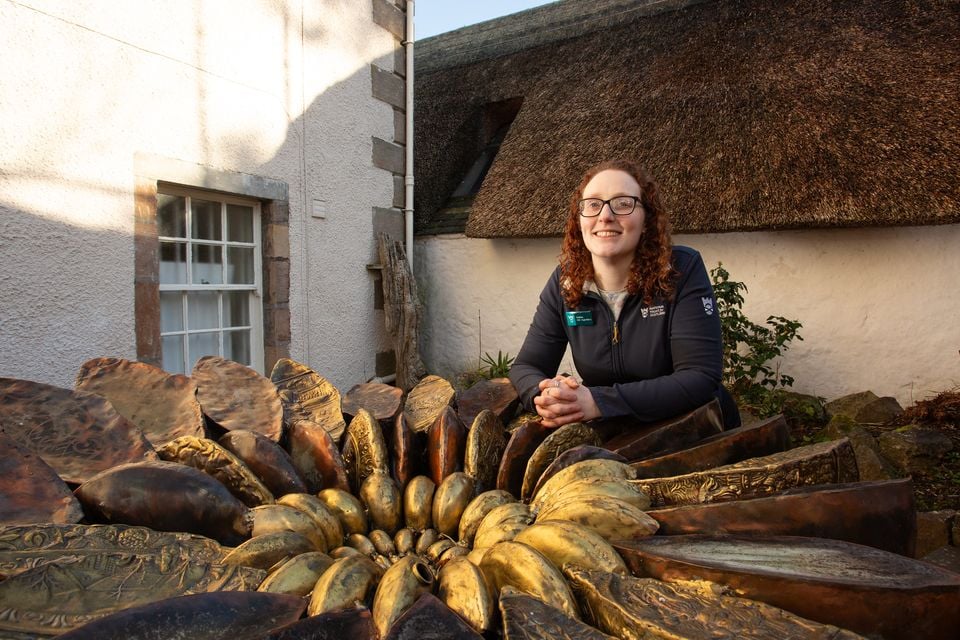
(402, 310)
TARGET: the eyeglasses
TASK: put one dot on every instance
(620, 206)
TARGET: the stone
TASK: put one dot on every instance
(933, 530)
(801, 404)
(914, 449)
(865, 407)
(870, 462)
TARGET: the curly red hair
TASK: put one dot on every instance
(652, 272)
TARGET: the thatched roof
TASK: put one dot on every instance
(752, 114)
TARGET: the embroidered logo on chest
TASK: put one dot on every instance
(654, 311)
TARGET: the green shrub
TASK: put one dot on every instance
(749, 349)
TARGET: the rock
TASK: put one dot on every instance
(955, 533)
(804, 407)
(914, 449)
(946, 557)
(870, 463)
(865, 407)
(933, 530)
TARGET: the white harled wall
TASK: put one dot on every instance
(274, 88)
(879, 307)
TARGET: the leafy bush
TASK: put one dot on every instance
(750, 370)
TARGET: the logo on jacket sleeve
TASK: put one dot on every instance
(707, 305)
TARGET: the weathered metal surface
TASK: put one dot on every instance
(426, 401)
(848, 585)
(364, 449)
(77, 434)
(667, 436)
(267, 550)
(30, 490)
(163, 405)
(383, 401)
(496, 395)
(58, 597)
(165, 496)
(408, 448)
(308, 395)
(878, 514)
(430, 619)
(760, 439)
(485, 446)
(823, 463)
(236, 615)
(527, 618)
(558, 441)
(347, 624)
(522, 443)
(237, 397)
(629, 607)
(316, 458)
(572, 456)
(446, 442)
(216, 461)
(24, 547)
(266, 459)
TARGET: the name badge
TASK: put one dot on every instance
(579, 318)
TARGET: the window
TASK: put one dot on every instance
(210, 278)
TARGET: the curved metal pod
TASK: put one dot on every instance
(298, 575)
(477, 509)
(316, 457)
(404, 540)
(361, 543)
(515, 514)
(271, 518)
(571, 457)
(456, 551)
(265, 551)
(446, 441)
(399, 588)
(437, 549)
(485, 446)
(382, 497)
(201, 616)
(562, 439)
(347, 508)
(568, 543)
(314, 507)
(520, 566)
(343, 552)
(166, 496)
(418, 503)
(521, 445)
(383, 542)
(364, 449)
(266, 459)
(427, 538)
(348, 581)
(449, 502)
(465, 590)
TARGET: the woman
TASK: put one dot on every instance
(638, 313)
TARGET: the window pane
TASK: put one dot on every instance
(172, 354)
(236, 309)
(236, 346)
(204, 344)
(207, 264)
(240, 265)
(173, 263)
(171, 311)
(206, 220)
(239, 223)
(202, 310)
(171, 216)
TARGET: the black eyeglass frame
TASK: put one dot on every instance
(636, 200)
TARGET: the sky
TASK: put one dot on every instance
(438, 16)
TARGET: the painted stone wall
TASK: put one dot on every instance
(879, 307)
(278, 89)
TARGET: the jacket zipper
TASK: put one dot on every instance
(615, 351)
(616, 332)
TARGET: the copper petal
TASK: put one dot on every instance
(316, 458)
(237, 397)
(426, 402)
(383, 401)
(78, 434)
(523, 442)
(308, 395)
(266, 459)
(496, 395)
(667, 436)
(216, 461)
(446, 441)
(364, 449)
(529, 618)
(355, 624)
(561, 439)
(486, 443)
(574, 455)
(162, 404)
(30, 491)
(430, 619)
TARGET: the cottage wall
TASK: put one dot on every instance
(101, 98)
(866, 323)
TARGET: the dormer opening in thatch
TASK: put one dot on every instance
(495, 123)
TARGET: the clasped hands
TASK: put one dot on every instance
(563, 400)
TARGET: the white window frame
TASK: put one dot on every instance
(256, 289)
